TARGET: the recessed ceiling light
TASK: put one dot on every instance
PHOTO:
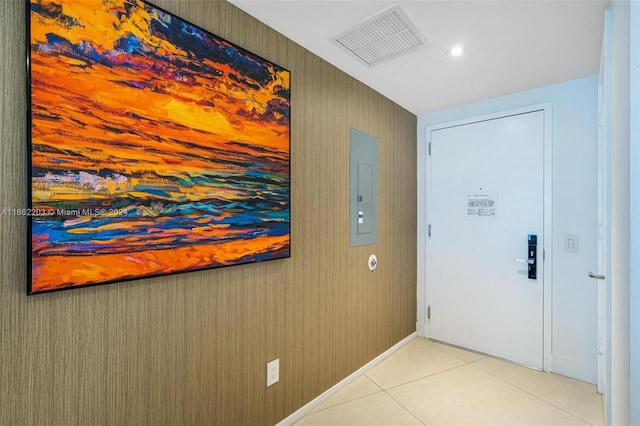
(456, 50)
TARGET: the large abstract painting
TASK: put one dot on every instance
(155, 147)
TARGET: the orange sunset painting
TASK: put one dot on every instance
(155, 147)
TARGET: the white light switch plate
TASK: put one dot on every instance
(571, 244)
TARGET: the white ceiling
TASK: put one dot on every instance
(511, 45)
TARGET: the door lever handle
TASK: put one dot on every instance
(527, 261)
(596, 276)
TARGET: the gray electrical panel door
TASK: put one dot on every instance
(363, 193)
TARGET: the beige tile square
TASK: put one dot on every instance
(418, 359)
(579, 398)
(378, 409)
(470, 396)
(360, 387)
(467, 356)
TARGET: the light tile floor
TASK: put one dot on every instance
(428, 383)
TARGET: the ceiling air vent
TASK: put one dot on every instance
(385, 36)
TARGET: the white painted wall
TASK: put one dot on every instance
(617, 398)
(574, 212)
(634, 308)
(623, 400)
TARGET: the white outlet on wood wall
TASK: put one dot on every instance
(273, 372)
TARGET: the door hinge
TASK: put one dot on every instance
(544, 255)
(429, 231)
(429, 148)
(429, 312)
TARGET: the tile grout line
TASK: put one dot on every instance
(433, 374)
(485, 356)
(366, 396)
(354, 399)
(465, 363)
(423, 377)
(532, 394)
(401, 384)
(406, 409)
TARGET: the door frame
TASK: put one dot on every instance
(604, 200)
(547, 263)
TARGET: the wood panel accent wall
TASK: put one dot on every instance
(192, 349)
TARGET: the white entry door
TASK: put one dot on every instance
(485, 197)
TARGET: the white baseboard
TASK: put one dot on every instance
(311, 405)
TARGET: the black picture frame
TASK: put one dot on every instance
(154, 147)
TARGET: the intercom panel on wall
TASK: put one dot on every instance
(363, 183)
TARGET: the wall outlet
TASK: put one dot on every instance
(273, 372)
